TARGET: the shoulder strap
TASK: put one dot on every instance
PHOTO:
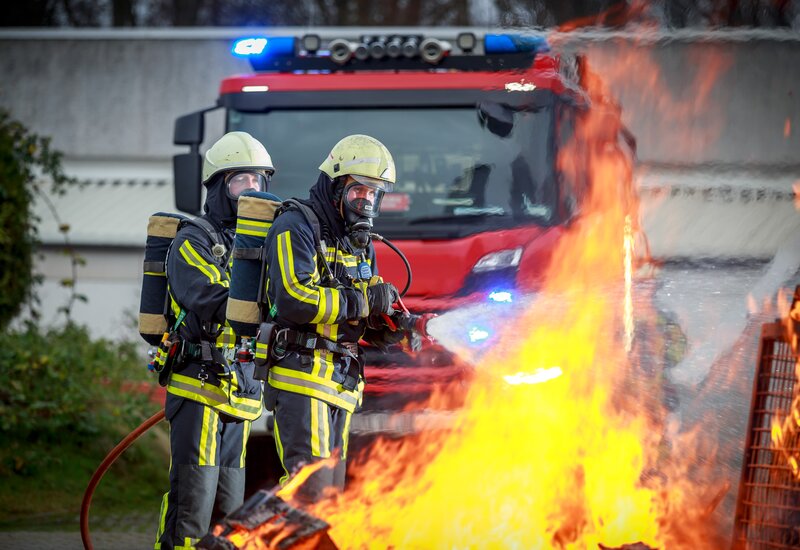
(309, 215)
(313, 220)
(219, 250)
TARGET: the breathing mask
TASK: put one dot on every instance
(361, 201)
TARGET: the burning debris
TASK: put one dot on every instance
(265, 521)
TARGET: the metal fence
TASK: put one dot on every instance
(768, 506)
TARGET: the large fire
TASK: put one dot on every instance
(575, 459)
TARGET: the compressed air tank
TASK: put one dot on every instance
(153, 307)
(255, 213)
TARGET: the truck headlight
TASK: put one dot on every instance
(501, 259)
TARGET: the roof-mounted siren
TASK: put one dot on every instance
(361, 51)
(433, 50)
(311, 43)
(466, 41)
(341, 50)
(394, 47)
(377, 48)
(411, 47)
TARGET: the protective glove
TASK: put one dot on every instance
(380, 298)
(384, 338)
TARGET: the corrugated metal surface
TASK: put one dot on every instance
(105, 212)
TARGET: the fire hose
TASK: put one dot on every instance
(104, 466)
(405, 321)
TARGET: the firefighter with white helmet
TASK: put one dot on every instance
(324, 295)
(211, 401)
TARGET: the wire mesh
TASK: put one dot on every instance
(768, 507)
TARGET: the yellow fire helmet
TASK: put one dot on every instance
(236, 151)
(364, 158)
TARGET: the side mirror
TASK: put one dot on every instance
(186, 167)
(189, 129)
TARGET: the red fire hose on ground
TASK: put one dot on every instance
(105, 465)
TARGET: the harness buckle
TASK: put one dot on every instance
(202, 376)
(279, 347)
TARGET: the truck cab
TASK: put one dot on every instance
(475, 122)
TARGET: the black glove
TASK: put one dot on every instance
(380, 298)
(383, 338)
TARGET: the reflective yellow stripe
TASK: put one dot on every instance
(290, 282)
(279, 446)
(162, 518)
(195, 260)
(156, 273)
(252, 227)
(320, 429)
(348, 260)
(314, 386)
(215, 396)
(315, 420)
(346, 434)
(334, 300)
(208, 438)
(322, 308)
(245, 437)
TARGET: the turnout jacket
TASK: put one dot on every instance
(300, 298)
(198, 284)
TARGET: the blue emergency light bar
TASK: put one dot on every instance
(278, 46)
(390, 52)
(514, 43)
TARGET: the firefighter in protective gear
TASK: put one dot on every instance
(210, 401)
(321, 311)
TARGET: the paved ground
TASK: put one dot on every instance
(26, 540)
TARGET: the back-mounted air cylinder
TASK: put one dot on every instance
(153, 306)
(255, 213)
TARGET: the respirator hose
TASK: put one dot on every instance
(388, 243)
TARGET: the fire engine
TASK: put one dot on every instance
(475, 122)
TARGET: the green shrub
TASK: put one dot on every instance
(22, 156)
(62, 385)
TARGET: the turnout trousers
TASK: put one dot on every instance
(306, 431)
(206, 474)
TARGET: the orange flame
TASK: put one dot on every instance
(787, 128)
(796, 189)
(573, 461)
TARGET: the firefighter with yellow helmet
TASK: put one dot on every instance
(324, 295)
(211, 400)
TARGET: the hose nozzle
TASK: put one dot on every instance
(415, 323)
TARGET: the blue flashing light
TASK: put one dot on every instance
(279, 46)
(501, 296)
(477, 334)
(514, 43)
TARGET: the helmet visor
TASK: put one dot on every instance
(239, 182)
(364, 199)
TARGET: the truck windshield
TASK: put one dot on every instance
(455, 166)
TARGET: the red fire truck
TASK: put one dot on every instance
(474, 121)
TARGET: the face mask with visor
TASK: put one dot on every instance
(362, 202)
(237, 183)
(363, 197)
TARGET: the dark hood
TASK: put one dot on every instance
(322, 201)
(219, 207)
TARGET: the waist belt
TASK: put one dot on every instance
(205, 351)
(287, 337)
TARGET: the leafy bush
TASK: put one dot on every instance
(60, 384)
(22, 156)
